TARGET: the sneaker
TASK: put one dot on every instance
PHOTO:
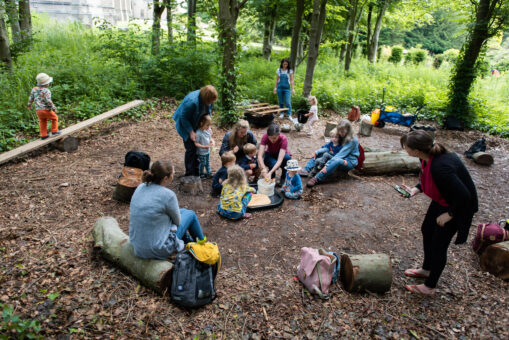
(203, 176)
(201, 241)
(312, 182)
(281, 116)
(303, 173)
(56, 133)
(247, 215)
(45, 137)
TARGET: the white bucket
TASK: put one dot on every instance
(266, 188)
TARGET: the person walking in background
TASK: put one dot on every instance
(187, 118)
(44, 107)
(447, 182)
(284, 84)
(312, 114)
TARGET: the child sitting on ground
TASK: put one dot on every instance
(44, 107)
(236, 195)
(227, 159)
(249, 162)
(322, 155)
(292, 188)
(203, 143)
(312, 114)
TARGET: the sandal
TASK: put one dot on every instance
(416, 289)
(415, 274)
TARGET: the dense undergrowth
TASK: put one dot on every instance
(95, 70)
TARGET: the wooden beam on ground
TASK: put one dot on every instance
(269, 111)
(254, 105)
(7, 156)
(262, 108)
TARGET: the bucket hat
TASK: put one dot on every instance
(292, 165)
(43, 79)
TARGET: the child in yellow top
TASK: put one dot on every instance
(235, 195)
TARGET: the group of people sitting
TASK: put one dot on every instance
(158, 227)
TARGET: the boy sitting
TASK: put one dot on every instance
(227, 159)
(249, 162)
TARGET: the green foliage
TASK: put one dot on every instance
(12, 326)
(416, 56)
(396, 54)
(438, 60)
(451, 55)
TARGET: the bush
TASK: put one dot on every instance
(438, 60)
(451, 55)
(416, 56)
(396, 54)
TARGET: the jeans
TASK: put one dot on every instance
(189, 229)
(292, 195)
(334, 164)
(204, 163)
(233, 215)
(270, 161)
(190, 158)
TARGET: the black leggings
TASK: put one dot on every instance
(191, 158)
(436, 240)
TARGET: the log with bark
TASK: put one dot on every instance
(113, 244)
(389, 162)
(68, 144)
(495, 259)
(329, 126)
(482, 158)
(361, 273)
(127, 184)
(191, 184)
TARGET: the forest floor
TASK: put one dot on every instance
(50, 201)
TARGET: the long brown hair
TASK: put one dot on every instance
(158, 171)
(347, 127)
(236, 177)
(236, 141)
(422, 141)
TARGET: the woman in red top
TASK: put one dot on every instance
(273, 153)
(447, 182)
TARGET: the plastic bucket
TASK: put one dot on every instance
(266, 188)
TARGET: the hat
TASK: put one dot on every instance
(43, 79)
(292, 165)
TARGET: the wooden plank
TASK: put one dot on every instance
(268, 112)
(254, 105)
(7, 156)
(262, 108)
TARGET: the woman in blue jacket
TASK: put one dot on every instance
(187, 118)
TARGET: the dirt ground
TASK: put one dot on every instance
(50, 201)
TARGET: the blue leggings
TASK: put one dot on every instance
(189, 229)
(233, 215)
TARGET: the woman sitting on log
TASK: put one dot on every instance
(345, 159)
(236, 139)
(447, 182)
(157, 227)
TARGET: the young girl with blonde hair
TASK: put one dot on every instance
(235, 195)
(313, 114)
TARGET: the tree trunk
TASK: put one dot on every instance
(356, 13)
(315, 35)
(482, 158)
(127, 184)
(113, 244)
(495, 259)
(156, 27)
(5, 51)
(68, 144)
(25, 19)
(373, 46)
(389, 162)
(169, 19)
(191, 21)
(368, 28)
(296, 41)
(12, 14)
(361, 273)
(268, 31)
(191, 185)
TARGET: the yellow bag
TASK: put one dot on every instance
(207, 252)
(375, 114)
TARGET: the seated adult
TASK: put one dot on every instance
(236, 139)
(273, 153)
(157, 227)
(345, 159)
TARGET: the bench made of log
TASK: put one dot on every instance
(268, 112)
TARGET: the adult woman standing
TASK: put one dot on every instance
(447, 182)
(234, 140)
(157, 227)
(187, 118)
(284, 81)
(273, 153)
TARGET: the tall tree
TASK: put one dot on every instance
(12, 14)
(158, 9)
(269, 27)
(315, 36)
(169, 20)
(296, 41)
(368, 26)
(491, 17)
(373, 44)
(191, 21)
(25, 19)
(5, 51)
(227, 22)
(355, 14)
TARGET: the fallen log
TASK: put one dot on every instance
(482, 158)
(371, 272)
(388, 162)
(113, 244)
(495, 259)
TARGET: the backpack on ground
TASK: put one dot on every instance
(137, 159)
(316, 270)
(478, 146)
(193, 281)
(488, 234)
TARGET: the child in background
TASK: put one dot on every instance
(292, 188)
(322, 155)
(227, 159)
(236, 195)
(203, 143)
(249, 162)
(44, 107)
(313, 114)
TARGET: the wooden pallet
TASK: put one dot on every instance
(7, 156)
(260, 109)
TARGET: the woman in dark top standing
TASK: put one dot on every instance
(447, 182)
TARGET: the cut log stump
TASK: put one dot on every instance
(191, 184)
(328, 128)
(113, 244)
(371, 272)
(483, 158)
(68, 144)
(127, 184)
(365, 129)
(495, 260)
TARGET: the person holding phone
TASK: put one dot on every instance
(447, 182)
